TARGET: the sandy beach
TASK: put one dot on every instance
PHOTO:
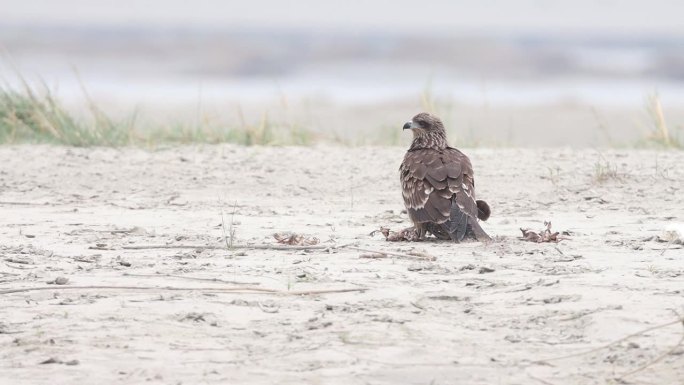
(437, 313)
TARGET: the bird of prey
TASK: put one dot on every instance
(438, 185)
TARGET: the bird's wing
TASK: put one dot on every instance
(425, 182)
(462, 186)
(464, 208)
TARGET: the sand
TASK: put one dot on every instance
(477, 314)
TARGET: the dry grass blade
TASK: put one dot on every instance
(232, 228)
(660, 133)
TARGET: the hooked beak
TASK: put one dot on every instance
(409, 126)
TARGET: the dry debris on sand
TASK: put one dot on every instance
(145, 288)
(407, 234)
(295, 239)
(545, 235)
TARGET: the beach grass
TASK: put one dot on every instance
(32, 114)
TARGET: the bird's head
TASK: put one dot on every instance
(428, 130)
(424, 123)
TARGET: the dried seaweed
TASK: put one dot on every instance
(407, 234)
(545, 235)
(295, 239)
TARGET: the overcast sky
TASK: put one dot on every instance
(662, 17)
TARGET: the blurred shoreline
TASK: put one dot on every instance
(522, 89)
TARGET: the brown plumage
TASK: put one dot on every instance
(438, 185)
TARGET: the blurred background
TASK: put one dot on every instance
(500, 73)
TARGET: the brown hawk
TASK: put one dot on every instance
(438, 185)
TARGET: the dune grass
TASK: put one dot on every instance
(27, 116)
(31, 114)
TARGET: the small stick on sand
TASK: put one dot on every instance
(19, 267)
(200, 247)
(22, 203)
(192, 278)
(421, 256)
(237, 290)
(20, 261)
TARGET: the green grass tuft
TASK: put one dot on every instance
(32, 116)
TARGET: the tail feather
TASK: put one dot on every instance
(478, 232)
(483, 210)
(461, 224)
(457, 225)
